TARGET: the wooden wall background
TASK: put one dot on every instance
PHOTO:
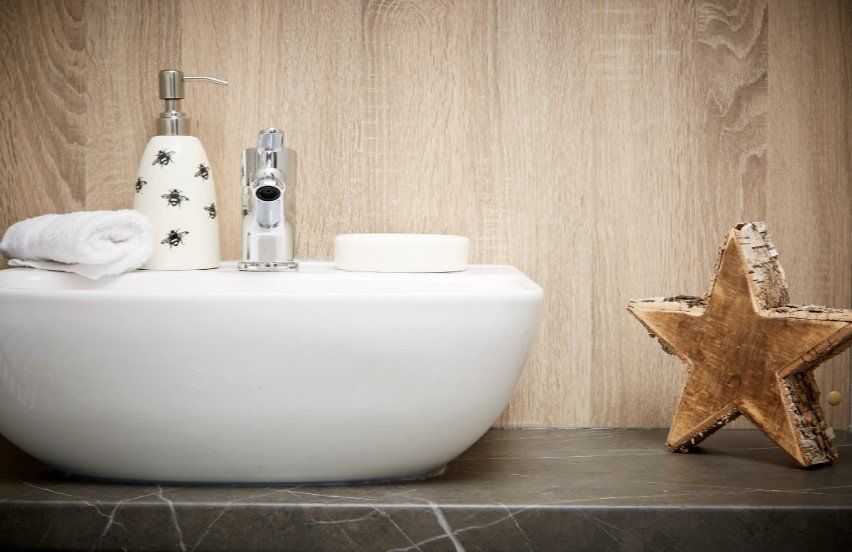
(603, 147)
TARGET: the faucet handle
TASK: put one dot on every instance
(270, 139)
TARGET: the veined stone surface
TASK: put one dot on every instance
(518, 490)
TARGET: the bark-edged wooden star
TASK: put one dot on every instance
(748, 352)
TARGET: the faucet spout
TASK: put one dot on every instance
(269, 176)
(268, 203)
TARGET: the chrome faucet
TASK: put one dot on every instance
(269, 175)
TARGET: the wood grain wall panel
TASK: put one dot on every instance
(601, 146)
(541, 60)
(809, 169)
(846, 98)
(846, 30)
(731, 57)
(42, 133)
(417, 118)
(645, 99)
(127, 43)
(9, 89)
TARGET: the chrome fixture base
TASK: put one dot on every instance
(254, 266)
(268, 181)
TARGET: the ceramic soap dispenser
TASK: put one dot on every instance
(175, 188)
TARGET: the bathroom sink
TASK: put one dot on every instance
(223, 376)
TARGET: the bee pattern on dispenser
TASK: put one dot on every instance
(175, 238)
(139, 184)
(164, 158)
(174, 197)
(178, 186)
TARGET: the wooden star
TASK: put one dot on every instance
(748, 352)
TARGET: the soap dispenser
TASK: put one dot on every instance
(175, 189)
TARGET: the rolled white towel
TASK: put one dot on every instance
(89, 243)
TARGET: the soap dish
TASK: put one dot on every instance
(401, 252)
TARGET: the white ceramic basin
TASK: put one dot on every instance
(222, 376)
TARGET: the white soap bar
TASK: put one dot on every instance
(401, 252)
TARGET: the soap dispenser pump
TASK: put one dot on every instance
(175, 188)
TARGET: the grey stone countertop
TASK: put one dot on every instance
(513, 490)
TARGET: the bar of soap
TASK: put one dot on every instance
(401, 252)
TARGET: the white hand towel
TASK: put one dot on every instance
(89, 243)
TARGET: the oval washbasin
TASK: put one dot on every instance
(224, 376)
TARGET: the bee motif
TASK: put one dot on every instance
(139, 184)
(174, 197)
(203, 171)
(164, 158)
(211, 210)
(174, 238)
